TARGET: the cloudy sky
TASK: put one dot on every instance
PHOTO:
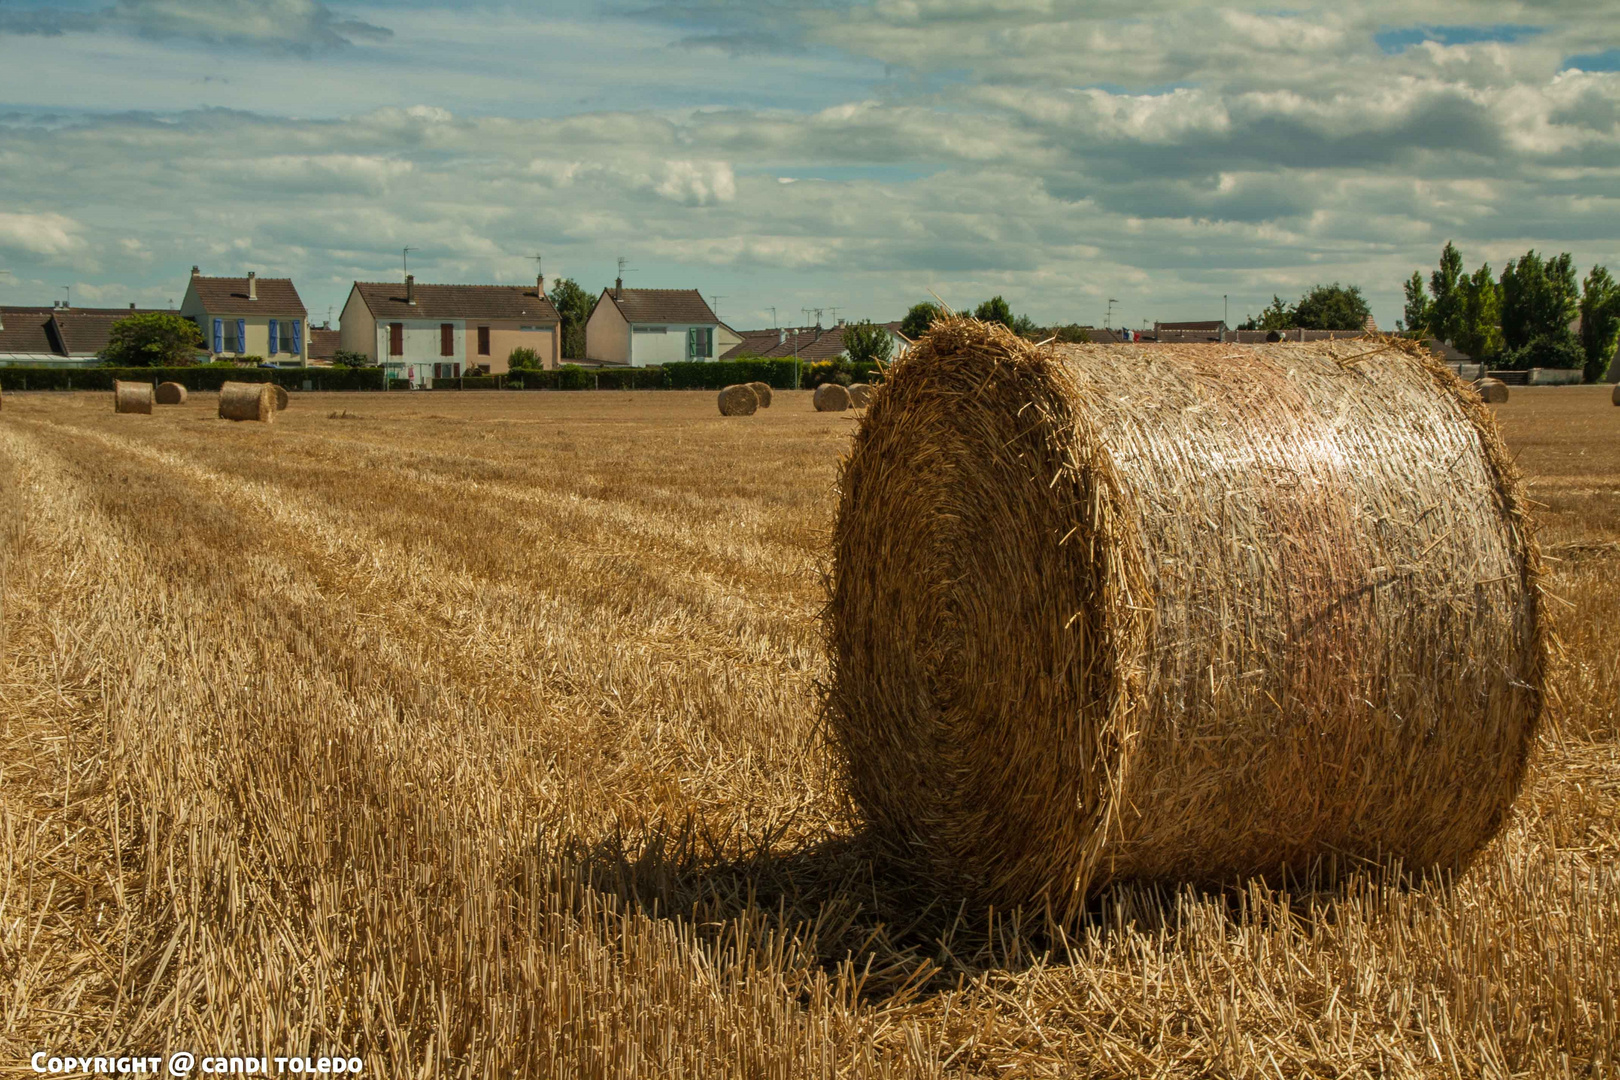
(838, 154)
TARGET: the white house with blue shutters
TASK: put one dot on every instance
(249, 316)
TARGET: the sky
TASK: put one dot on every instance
(1182, 161)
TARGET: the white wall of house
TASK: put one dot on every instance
(652, 344)
(422, 348)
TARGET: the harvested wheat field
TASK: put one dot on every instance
(479, 735)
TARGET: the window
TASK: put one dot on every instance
(483, 341)
(396, 339)
(651, 329)
(700, 343)
(232, 343)
(447, 339)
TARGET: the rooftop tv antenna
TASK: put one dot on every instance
(714, 303)
(818, 312)
(69, 290)
(623, 269)
(776, 324)
(834, 313)
(1108, 320)
(405, 258)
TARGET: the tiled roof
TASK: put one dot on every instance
(662, 306)
(85, 333)
(323, 344)
(386, 299)
(229, 296)
(60, 331)
(805, 342)
(1212, 326)
(27, 331)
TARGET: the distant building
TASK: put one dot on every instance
(324, 342)
(419, 333)
(1209, 330)
(648, 327)
(808, 343)
(58, 336)
(248, 316)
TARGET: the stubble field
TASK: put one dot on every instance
(477, 735)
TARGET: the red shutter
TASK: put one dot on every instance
(396, 339)
(483, 341)
(447, 339)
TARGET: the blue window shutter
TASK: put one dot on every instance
(219, 335)
(241, 335)
(297, 337)
(275, 337)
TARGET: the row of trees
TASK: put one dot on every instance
(1321, 307)
(996, 309)
(1525, 318)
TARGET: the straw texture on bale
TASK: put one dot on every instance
(1178, 613)
(1492, 391)
(170, 393)
(860, 395)
(830, 397)
(762, 390)
(132, 397)
(281, 396)
(738, 400)
(247, 401)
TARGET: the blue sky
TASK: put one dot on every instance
(840, 155)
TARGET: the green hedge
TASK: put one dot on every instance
(200, 377)
(699, 375)
(841, 371)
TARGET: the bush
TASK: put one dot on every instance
(158, 338)
(350, 359)
(524, 358)
(198, 377)
(701, 375)
(842, 372)
(1563, 351)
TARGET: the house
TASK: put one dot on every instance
(421, 332)
(1207, 330)
(58, 336)
(808, 343)
(248, 316)
(647, 327)
(324, 343)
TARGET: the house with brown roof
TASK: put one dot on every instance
(420, 332)
(648, 327)
(324, 343)
(248, 316)
(808, 343)
(1203, 330)
(58, 336)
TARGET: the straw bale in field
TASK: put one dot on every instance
(247, 401)
(1183, 612)
(281, 396)
(1615, 397)
(170, 393)
(830, 397)
(762, 390)
(1492, 391)
(860, 395)
(132, 397)
(738, 400)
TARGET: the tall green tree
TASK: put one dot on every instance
(1478, 313)
(153, 339)
(1600, 322)
(1332, 307)
(1419, 308)
(1539, 298)
(919, 319)
(867, 342)
(574, 305)
(1277, 315)
(1445, 285)
(994, 309)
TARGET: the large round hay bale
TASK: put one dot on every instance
(738, 400)
(132, 397)
(830, 397)
(1178, 613)
(170, 393)
(281, 396)
(1492, 391)
(762, 391)
(860, 395)
(247, 401)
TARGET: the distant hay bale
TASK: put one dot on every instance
(738, 399)
(762, 391)
(1178, 613)
(132, 397)
(247, 401)
(860, 395)
(830, 397)
(1492, 391)
(1615, 397)
(281, 396)
(170, 393)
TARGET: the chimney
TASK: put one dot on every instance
(540, 284)
(195, 272)
(410, 288)
(618, 288)
(253, 285)
(132, 306)
(781, 336)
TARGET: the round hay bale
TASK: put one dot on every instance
(1615, 397)
(860, 395)
(132, 397)
(247, 401)
(763, 392)
(830, 397)
(1178, 613)
(1492, 391)
(281, 396)
(738, 400)
(170, 393)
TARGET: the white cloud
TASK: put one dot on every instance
(51, 235)
(698, 183)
